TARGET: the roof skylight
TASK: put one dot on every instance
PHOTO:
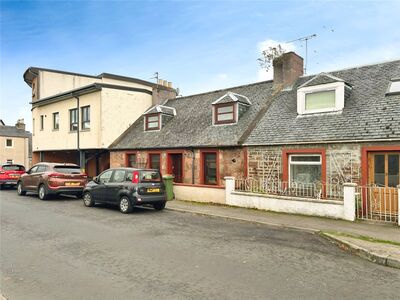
(394, 86)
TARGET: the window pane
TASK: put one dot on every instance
(119, 176)
(68, 169)
(305, 158)
(105, 177)
(394, 86)
(210, 168)
(305, 173)
(320, 100)
(9, 143)
(150, 176)
(152, 125)
(393, 170)
(131, 160)
(225, 109)
(154, 161)
(379, 164)
(152, 119)
(225, 117)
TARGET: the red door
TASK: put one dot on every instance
(175, 166)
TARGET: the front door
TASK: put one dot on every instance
(175, 166)
(384, 176)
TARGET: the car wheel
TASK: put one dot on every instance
(159, 206)
(20, 190)
(125, 205)
(43, 195)
(88, 200)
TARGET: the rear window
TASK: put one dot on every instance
(67, 169)
(13, 168)
(150, 176)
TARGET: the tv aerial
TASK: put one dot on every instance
(304, 39)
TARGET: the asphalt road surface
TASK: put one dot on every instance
(59, 249)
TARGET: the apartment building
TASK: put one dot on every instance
(75, 117)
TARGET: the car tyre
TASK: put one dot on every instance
(20, 189)
(125, 205)
(43, 194)
(159, 206)
(88, 200)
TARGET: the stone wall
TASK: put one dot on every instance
(231, 162)
(343, 160)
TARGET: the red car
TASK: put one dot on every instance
(50, 179)
(9, 174)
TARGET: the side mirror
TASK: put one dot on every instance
(96, 179)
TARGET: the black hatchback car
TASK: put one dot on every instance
(126, 187)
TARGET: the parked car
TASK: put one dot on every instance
(126, 187)
(9, 174)
(49, 179)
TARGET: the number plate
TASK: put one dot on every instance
(72, 183)
(153, 190)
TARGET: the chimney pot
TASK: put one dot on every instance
(287, 68)
(20, 124)
(169, 84)
(160, 81)
(165, 83)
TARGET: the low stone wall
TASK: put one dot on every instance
(323, 208)
(199, 193)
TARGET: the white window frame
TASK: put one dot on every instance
(12, 143)
(302, 163)
(338, 87)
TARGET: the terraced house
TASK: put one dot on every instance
(301, 136)
(77, 116)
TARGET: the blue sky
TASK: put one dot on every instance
(198, 45)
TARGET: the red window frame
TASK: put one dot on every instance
(285, 161)
(202, 161)
(147, 122)
(127, 157)
(216, 114)
(149, 155)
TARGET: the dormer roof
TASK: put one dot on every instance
(322, 78)
(166, 110)
(232, 97)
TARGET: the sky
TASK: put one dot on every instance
(198, 45)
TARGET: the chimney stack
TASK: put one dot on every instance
(20, 124)
(287, 68)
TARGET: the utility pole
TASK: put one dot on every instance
(302, 39)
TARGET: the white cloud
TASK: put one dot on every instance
(262, 74)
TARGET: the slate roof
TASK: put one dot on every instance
(322, 78)
(12, 131)
(368, 113)
(192, 125)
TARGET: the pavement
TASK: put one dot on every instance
(379, 243)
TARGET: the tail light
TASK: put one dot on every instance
(56, 175)
(135, 177)
(2, 172)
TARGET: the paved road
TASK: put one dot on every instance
(60, 249)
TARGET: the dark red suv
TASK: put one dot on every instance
(9, 174)
(49, 179)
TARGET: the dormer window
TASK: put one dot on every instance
(324, 93)
(153, 122)
(225, 113)
(228, 108)
(157, 117)
(320, 100)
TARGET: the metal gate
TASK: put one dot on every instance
(377, 203)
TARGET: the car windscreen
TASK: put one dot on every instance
(13, 168)
(150, 176)
(67, 169)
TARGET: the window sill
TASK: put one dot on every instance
(56, 130)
